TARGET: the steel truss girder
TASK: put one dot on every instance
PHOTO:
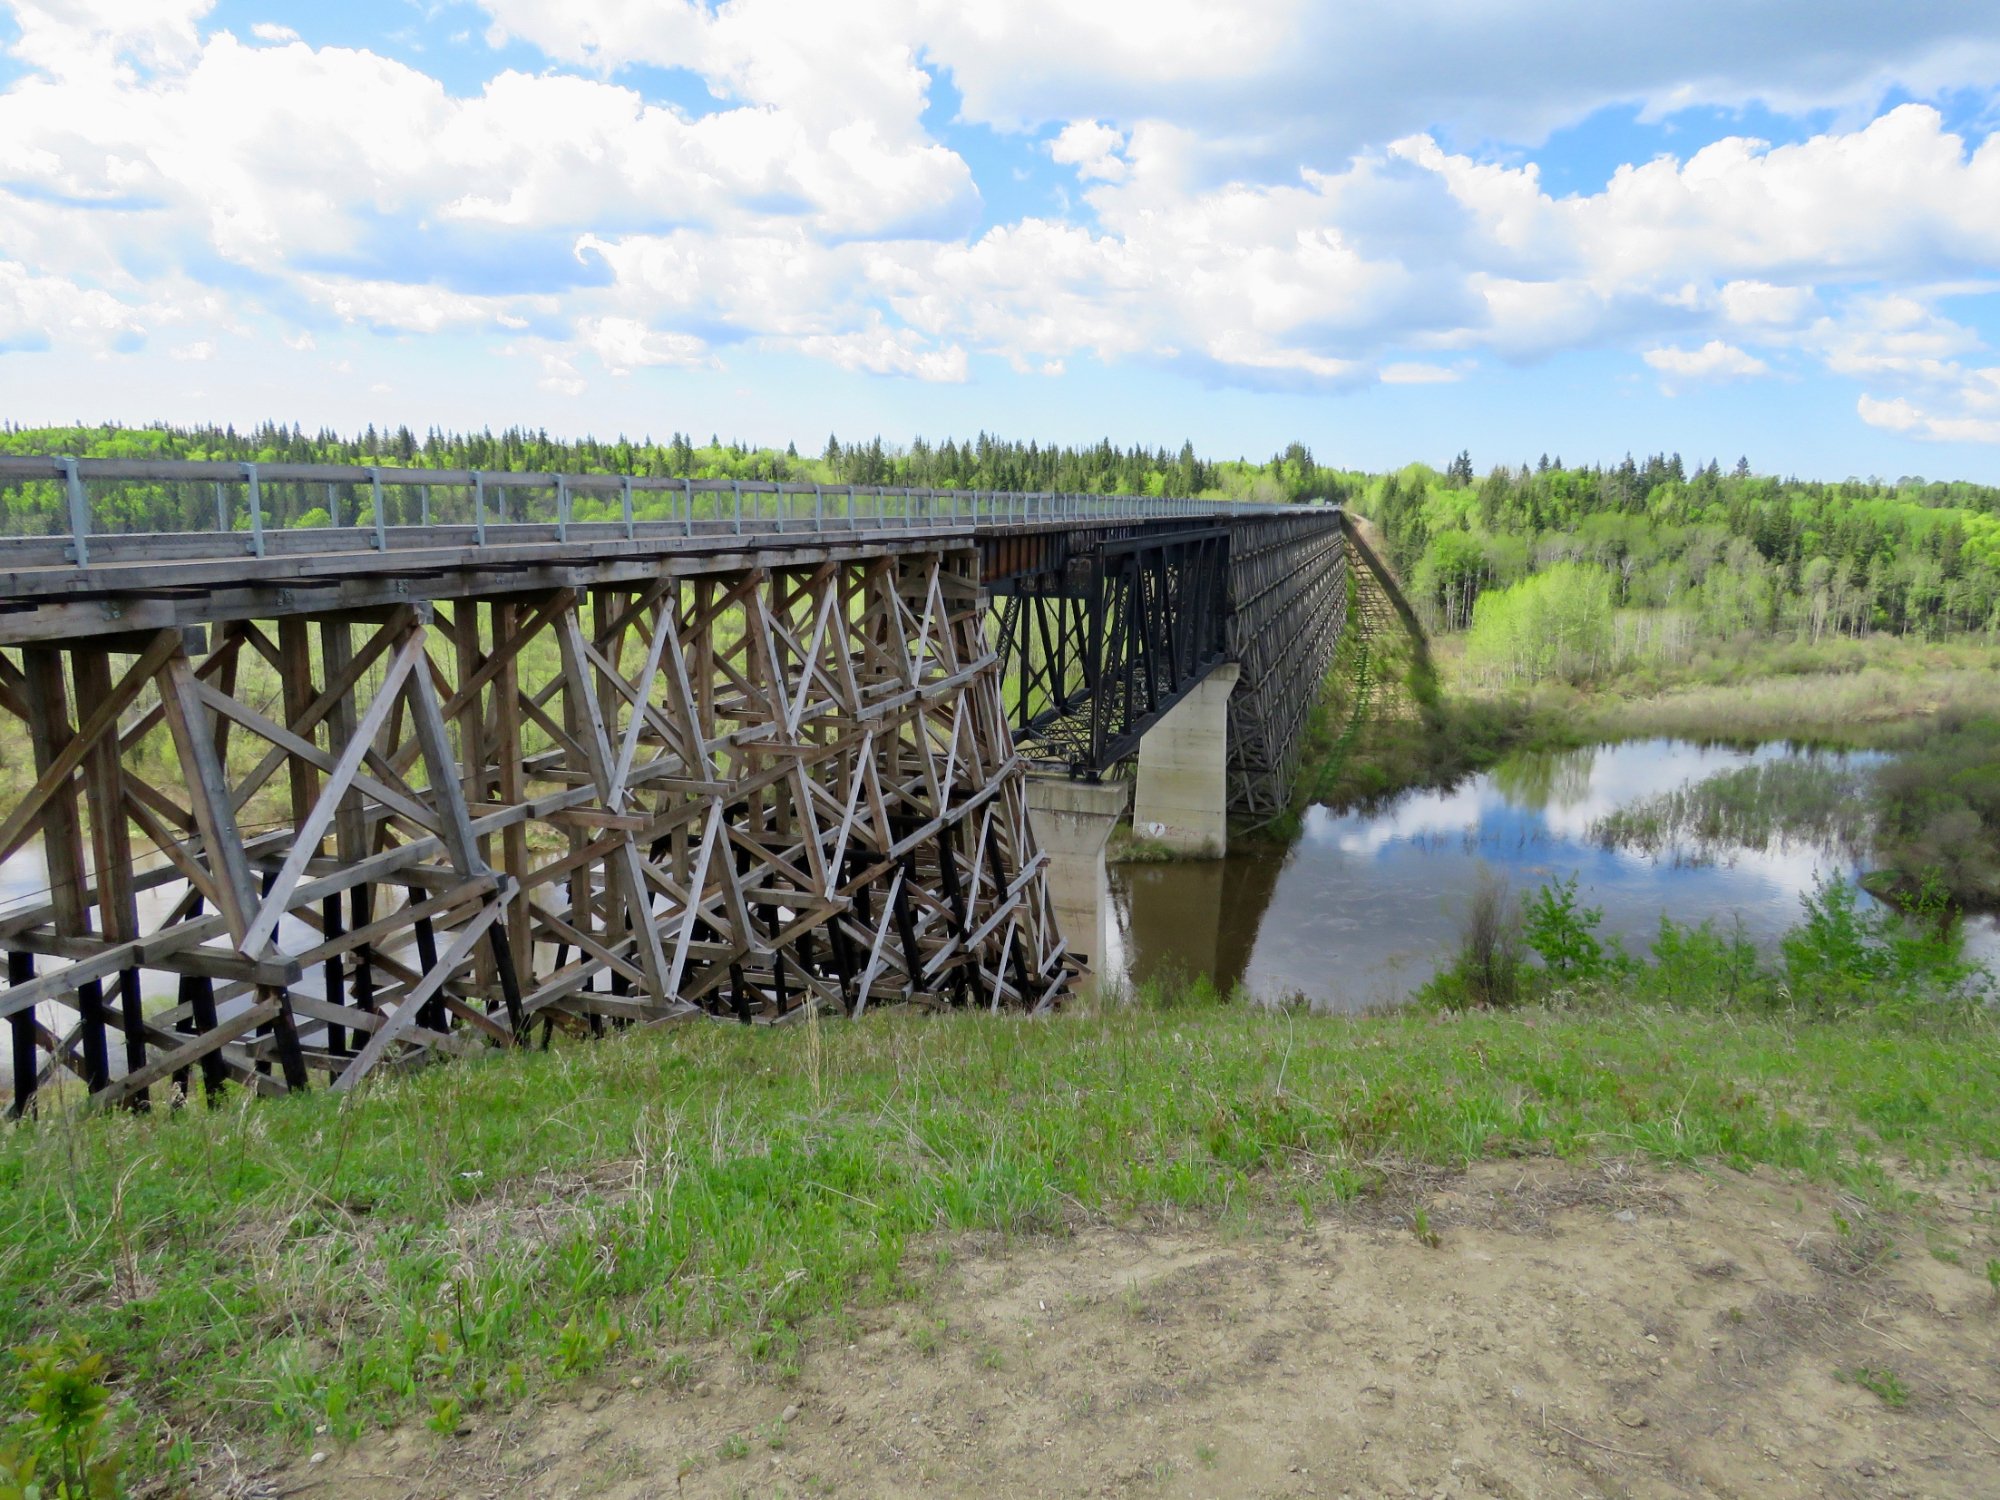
(1098, 650)
(1288, 583)
(428, 830)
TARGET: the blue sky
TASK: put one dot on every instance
(1716, 228)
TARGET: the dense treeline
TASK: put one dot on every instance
(1655, 561)
(1660, 558)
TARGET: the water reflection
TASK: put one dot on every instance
(1364, 906)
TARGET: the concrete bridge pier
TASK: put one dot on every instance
(1183, 797)
(1073, 822)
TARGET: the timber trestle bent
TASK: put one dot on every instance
(360, 791)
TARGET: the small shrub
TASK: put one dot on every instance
(1424, 1230)
(1563, 934)
(1487, 970)
(1696, 962)
(1843, 957)
(63, 1453)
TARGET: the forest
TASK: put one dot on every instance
(1577, 573)
(1572, 573)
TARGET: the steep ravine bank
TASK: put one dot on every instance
(1561, 1329)
(1197, 1230)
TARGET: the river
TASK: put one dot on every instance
(1364, 907)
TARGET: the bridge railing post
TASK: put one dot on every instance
(562, 508)
(736, 506)
(256, 496)
(819, 508)
(687, 495)
(625, 505)
(79, 514)
(381, 540)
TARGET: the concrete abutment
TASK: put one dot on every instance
(1073, 822)
(1183, 795)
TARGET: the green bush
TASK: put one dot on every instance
(1555, 624)
(61, 1451)
(1563, 934)
(1842, 957)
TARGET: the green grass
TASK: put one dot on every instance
(445, 1242)
(1886, 1384)
(1844, 692)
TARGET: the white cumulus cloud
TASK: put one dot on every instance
(1714, 360)
(1274, 194)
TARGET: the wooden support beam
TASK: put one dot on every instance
(750, 793)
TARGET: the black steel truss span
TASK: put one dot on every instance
(1288, 583)
(1102, 642)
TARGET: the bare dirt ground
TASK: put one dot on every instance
(1600, 1331)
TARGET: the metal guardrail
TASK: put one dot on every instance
(250, 508)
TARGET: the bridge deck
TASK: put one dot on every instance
(118, 537)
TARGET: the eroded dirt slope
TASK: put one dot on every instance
(1574, 1331)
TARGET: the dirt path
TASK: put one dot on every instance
(1574, 1331)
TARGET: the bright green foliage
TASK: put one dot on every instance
(1563, 934)
(1843, 957)
(1886, 1384)
(60, 1452)
(1556, 624)
(1908, 966)
(1693, 961)
(1725, 555)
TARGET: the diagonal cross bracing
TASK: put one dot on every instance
(401, 833)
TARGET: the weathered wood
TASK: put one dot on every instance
(747, 794)
(21, 1037)
(51, 737)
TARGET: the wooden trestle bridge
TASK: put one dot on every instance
(338, 769)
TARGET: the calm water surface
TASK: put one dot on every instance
(1365, 906)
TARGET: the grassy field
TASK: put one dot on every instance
(263, 1273)
(1858, 693)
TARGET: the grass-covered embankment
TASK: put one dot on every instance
(456, 1238)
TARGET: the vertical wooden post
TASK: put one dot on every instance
(954, 895)
(474, 751)
(21, 1029)
(350, 823)
(296, 688)
(111, 841)
(513, 949)
(62, 840)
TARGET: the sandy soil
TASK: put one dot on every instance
(1574, 1331)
